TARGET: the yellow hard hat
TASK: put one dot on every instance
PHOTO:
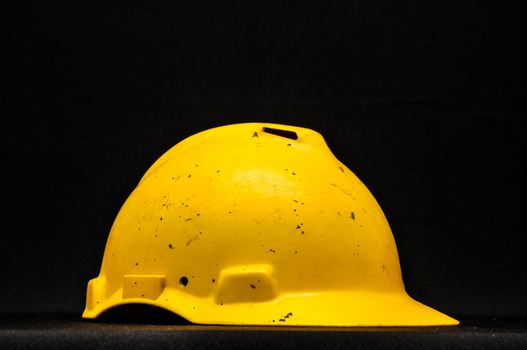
(256, 224)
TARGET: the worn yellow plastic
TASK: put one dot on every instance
(256, 224)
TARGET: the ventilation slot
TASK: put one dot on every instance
(283, 133)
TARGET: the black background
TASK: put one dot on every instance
(422, 100)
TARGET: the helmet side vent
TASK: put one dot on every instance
(280, 132)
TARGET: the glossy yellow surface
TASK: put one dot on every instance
(246, 224)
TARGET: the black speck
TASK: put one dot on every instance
(352, 215)
(139, 229)
(221, 303)
(142, 295)
(172, 177)
(161, 219)
(294, 209)
(255, 134)
(272, 250)
(213, 280)
(197, 214)
(273, 320)
(294, 200)
(170, 246)
(253, 286)
(302, 232)
(196, 165)
(135, 282)
(217, 171)
(188, 219)
(230, 212)
(136, 264)
(296, 252)
(301, 224)
(183, 281)
(289, 144)
(293, 173)
(189, 175)
(298, 227)
(282, 320)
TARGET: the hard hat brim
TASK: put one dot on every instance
(330, 309)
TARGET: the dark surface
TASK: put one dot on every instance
(71, 332)
(422, 100)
